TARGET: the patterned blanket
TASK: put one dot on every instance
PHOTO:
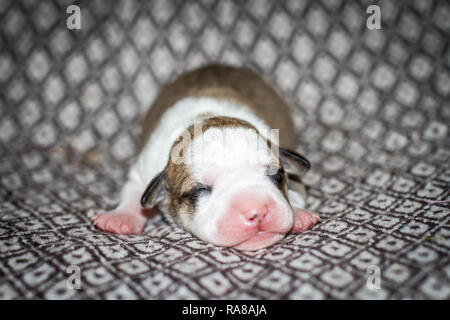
(372, 113)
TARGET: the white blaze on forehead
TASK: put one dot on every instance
(225, 149)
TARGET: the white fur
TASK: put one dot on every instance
(227, 149)
(174, 121)
(296, 199)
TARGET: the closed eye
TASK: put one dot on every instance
(278, 177)
(196, 192)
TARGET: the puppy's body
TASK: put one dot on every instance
(231, 103)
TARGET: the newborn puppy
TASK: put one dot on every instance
(212, 164)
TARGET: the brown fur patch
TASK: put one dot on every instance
(222, 122)
(223, 82)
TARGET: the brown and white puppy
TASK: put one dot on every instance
(212, 163)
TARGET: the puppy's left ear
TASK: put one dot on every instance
(293, 162)
(156, 191)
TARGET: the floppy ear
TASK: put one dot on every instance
(293, 162)
(156, 191)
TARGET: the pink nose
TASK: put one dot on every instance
(253, 208)
(256, 215)
(253, 214)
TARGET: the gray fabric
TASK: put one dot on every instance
(372, 115)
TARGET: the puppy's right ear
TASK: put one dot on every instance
(156, 191)
(293, 162)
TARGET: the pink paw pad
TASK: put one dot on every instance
(118, 222)
(303, 220)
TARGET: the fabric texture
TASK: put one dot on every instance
(372, 113)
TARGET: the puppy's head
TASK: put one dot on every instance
(227, 184)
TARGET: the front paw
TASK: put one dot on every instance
(303, 220)
(120, 222)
